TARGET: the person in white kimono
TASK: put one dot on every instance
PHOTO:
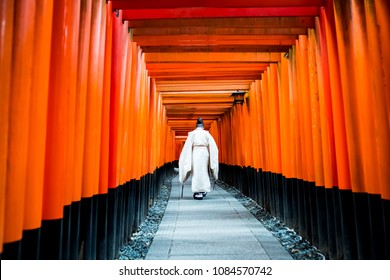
(199, 155)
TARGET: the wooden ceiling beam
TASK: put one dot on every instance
(218, 38)
(214, 40)
(211, 76)
(169, 4)
(183, 102)
(248, 22)
(217, 31)
(210, 49)
(202, 85)
(198, 52)
(201, 12)
(204, 70)
(208, 72)
(183, 65)
(155, 73)
(206, 83)
(213, 57)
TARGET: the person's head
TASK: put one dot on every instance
(199, 123)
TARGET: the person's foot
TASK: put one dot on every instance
(204, 194)
(198, 196)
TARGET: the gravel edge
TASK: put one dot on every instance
(140, 241)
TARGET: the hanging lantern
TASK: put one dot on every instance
(238, 97)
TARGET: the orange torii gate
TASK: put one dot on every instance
(98, 96)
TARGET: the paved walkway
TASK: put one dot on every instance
(216, 228)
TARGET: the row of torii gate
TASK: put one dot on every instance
(98, 96)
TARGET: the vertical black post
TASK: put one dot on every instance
(331, 222)
(12, 251)
(111, 222)
(313, 213)
(322, 219)
(348, 238)
(95, 210)
(301, 208)
(338, 223)
(86, 228)
(75, 230)
(295, 204)
(377, 227)
(51, 240)
(30, 244)
(386, 226)
(126, 212)
(119, 220)
(102, 222)
(66, 232)
(363, 236)
(132, 208)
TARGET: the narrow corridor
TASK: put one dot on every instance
(97, 98)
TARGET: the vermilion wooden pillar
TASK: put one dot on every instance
(37, 131)
(6, 39)
(18, 109)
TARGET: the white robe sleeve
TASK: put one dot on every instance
(185, 160)
(213, 149)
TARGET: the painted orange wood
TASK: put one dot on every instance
(305, 109)
(285, 133)
(19, 108)
(93, 112)
(223, 12)
(116, 62)
(38, 116)
(71, 79)
(124, 128)
(295, 118)
(265, 95)
(365, 91)
(260, 121)
(205, 40)
(179, 30)
(327, 127)
(124, 4)
(105, 130)
(254, 125)
(213, 57)
(89, 100)
(133, 112)
(314, 98)
(344, 29)
(275, 118)
(6, 50)
(343, 179)
(269, 22)
(81, 96)
(379, 48)
(58, 114)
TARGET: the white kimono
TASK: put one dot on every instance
(200, 152)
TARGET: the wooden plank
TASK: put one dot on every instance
(212, 57)
(211, 78)
(166, 66)
(216, 48)
(213, 40)
(186, 99)
(179, 73)
(200, 12)
(252, 22)
(184, 30)
(203, 85)
(152, 4)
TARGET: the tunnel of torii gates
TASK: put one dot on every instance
(97, 99)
